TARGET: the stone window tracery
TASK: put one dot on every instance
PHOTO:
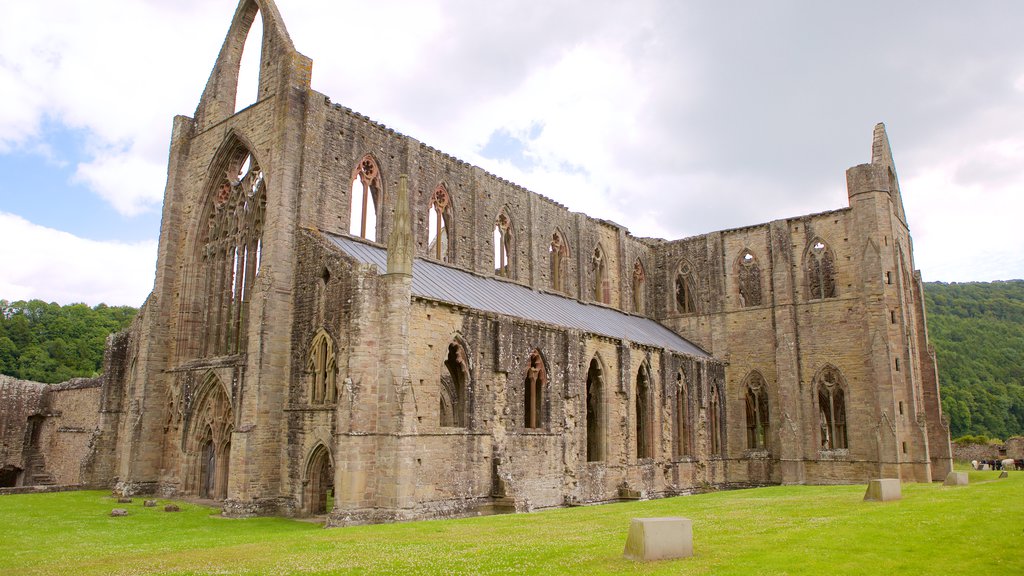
(558, 254)
(644, 414)
(454, 388)
(366, 199)
(682, 417)
(322, 368)
(439, 220)
(231, 252)
(208, 440)
(535, 384)
(600, 277)
(714, 423)
(595, 411)
(639, 287)
(821, 271)
(503, 245)
(757, 413)
(831, 409)
(685, 301)
(749, 276)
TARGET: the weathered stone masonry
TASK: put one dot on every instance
(346, 321)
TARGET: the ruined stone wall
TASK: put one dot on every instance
(19, 399)
(72, 418)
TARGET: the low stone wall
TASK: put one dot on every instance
(1013, 448)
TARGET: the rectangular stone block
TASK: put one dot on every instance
(659, 539)
(883, 490)
(956, 479)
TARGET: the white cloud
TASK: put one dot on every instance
(51, 265)
(129, 181)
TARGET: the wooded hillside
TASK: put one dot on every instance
(53, 343)
(977, 329)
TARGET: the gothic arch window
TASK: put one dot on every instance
(534, 386)
(749, 279)
(757, 412)
(831, 409)
(595, 411)
(367, 194)
(684, 285)
(600, 276)
(682, 417)
(439, 224)
(207, 440)
(639, 287)
(319, 484)
(231, 249)
(558, 255)
(644, 413)
(820, 266)
(714, 422)
(454, 388)
(503, 247)
(323, 369)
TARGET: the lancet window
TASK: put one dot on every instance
(821, 271)
(502, 245)
(685, 302)
(454, 387)
(831, 409)
(322, 369)
(682, 417)
(715, 422)
(749, 276)
(644, 414)
(595, 411)
(757, 412)
(600, 276)
(231, 252)
(639, 287)
(366, 198)
(534, 386)
(558, 254)
(439, 220)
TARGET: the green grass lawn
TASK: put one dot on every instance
(976, 529)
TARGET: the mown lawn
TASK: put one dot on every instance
(977, 529)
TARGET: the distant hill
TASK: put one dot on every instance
(977, 329)
(53, 343)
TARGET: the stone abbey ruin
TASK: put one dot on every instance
(346, 321)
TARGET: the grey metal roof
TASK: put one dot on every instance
(435, 281)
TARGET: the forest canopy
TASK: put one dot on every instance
(53, 343)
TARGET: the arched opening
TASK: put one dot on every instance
(682, 417)
(367, 194)
(685, 302)
(644, 414)
(749, 279)
(715, 423)
(757, 413)
(820, 271)
(208, 473)
(247, 90)
(439, 224)
(558, 256)
(319, 482)
(534, 386)
(595, 412)
(639, 287)
(503, 245)
(208, 441)
(831, 409)
(600, 276)
(454, 388)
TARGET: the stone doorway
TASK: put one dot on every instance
(319, 482)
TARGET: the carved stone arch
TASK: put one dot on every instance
(820, 270)
(757, 411)
(535, 391)
(440, 231)
(206, 441)
(218, 99)
(456, 386)
(685, 289)
(559, 254)
(644, 428)
(599, 275)
(716, 444)
(831, 396)
(318, 480)
(367, 199)
(681, 414)
(748, 278)
(322, 369)
(504, 240)
(594, 408)
(638, 285)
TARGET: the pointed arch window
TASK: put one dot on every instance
(231, 251)
(454, 387)
(600, 278)
(535, 384)
(639, 287)
(503, 245)
(558, 254)
(757, 413)
(715, 423)
(595, 411)
(367, 195)
(644, 414)
(682, 417)
(322, 368)
(749, 276)
(821, 271)
(831, 409)
(439, 224)
(685, 301)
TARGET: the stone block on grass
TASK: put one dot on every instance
(149, 503)
(956, 479)
(883, 490)
(124, 500)
(1004, 474)
(659, 539)
(172, 508)
(118, 512)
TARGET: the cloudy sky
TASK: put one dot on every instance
(673, 118)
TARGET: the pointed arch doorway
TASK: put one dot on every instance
(319, 496)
